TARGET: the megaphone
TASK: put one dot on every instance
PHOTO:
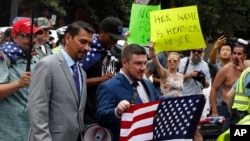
(97, 133)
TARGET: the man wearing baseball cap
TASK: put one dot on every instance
(14, 82)
(43, 47)
(98, 63)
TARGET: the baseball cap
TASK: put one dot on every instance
(23, 25)
(113, 26)
(42, 22)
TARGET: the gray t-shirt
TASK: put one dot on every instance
(192, 87)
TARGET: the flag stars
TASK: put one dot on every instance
(190, 101)
(185, 120)
(175, 128)
(182, 128)
(165, 110)
(183, 116)
(194, 109)
(164, 106)
(178, 120)
(160, 111)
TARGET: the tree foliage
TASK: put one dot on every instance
(230, 17)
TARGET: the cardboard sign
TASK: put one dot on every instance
(139, 26)
(176, 29)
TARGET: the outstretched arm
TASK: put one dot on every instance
(219, 42)
(159, 68)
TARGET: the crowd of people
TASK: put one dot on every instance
(82, 81)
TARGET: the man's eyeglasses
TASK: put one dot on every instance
(26, 35)
(198, 51)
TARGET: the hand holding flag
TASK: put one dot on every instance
(170, 119)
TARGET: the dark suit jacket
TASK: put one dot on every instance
(110, 93)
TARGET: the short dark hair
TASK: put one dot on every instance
(131, 49)
(74, 28)
(7, 32)
(239, 45)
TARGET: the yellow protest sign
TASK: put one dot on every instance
(176, 29)
(139, 26)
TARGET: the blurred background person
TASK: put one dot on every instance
(43, 47)
(223, 52)
(61, 41)
(7, 35)
(171, 81)
(151, 72)
(1, 38)
(226, 77)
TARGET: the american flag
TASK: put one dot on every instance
(170, 119)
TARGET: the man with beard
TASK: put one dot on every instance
(58, 90)
(194, 67)
(115, 95)
(190, 67)
(227, 75)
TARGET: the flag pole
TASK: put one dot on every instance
(29, 57)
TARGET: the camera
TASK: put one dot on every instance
(200, 78)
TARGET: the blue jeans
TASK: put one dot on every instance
(223, 110)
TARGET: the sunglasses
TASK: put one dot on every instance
(198, 51)
(173, 60)
(26, 35)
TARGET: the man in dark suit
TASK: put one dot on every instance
(115, 95)
(58, 90)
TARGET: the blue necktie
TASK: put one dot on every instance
(135, 94)
(76, 78)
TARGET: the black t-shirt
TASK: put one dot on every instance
(90, 108)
